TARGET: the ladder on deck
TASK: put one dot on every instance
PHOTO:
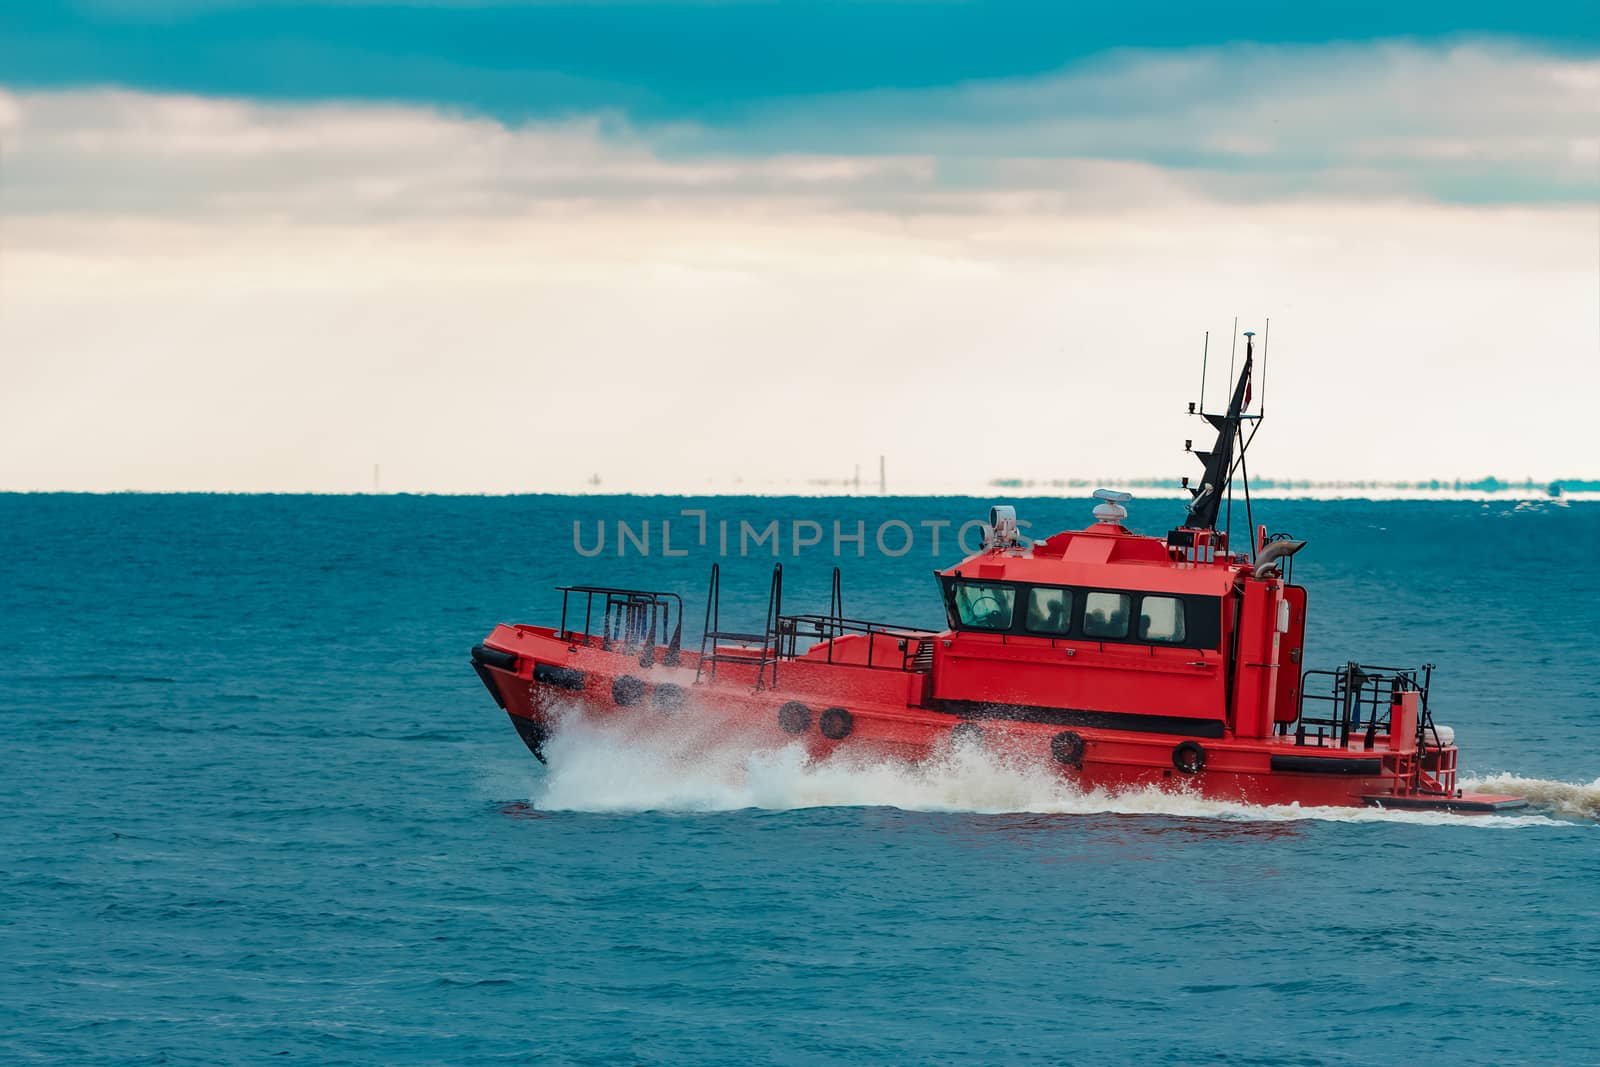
(769, 642)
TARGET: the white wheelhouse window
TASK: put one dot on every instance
(984, 605)
(1106, 614)
(1161, 619)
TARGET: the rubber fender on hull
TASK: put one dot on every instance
(560, 677)
(1189, 757)
(669, 697)
(1327, 765)
(836, 724)
(627, 690)
(1067, 748)
(493, 657)
(794, 717)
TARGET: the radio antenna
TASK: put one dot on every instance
(1205, 351)
(1233, 351)
(1266, 336)
(1224, 456)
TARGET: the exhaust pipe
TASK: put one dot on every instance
(1275, 551)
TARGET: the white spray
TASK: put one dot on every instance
(615, 767)
(1564, 798)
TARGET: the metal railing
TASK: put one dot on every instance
(630, 619)
(913, 644)
(764, 654)
(1359, 699)
(780, 637)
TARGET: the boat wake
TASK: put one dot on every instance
(610, 768)
(1563, 798)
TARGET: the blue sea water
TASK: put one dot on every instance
(257, 807)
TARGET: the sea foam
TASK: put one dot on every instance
(618, 767)
(1564, 798)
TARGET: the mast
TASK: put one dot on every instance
(1219, 461)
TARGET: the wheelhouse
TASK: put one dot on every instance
(1101, 614)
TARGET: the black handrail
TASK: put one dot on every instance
(709, 656)
(773, 637)
(827, 628)
(712, 627)
(780, 636)
(1362, 695)
(634, 617)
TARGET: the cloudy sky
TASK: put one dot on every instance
(502, 246)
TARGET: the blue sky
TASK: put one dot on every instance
(265, 246)
(662, 61)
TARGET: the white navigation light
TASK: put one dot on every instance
(1111, 510)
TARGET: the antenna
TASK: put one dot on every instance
(1228, 452)
(1232, 351)
(1205, 351)
(1266, 334)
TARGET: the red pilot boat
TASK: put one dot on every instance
(1123, 660)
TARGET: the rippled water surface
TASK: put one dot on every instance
(257, 806)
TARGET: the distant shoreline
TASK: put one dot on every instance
(1022, 490)
(1551, 487)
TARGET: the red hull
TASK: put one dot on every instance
(536, 676)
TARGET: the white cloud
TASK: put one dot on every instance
(1254, 119)
(127, 153)
(218, 294)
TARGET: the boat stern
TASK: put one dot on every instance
(1460, 802)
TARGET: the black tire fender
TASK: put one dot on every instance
(794, 717)
(1189, 757)
(627, 690)
(494, 657)
(560, 677)
(1067, 748)
(668, 697)
(836, 724)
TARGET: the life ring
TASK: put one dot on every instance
(835, 724)
(627, 690)
(1067, 748)
(966, 733)
(794, 717)
(1189, 757)
(669, 697)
